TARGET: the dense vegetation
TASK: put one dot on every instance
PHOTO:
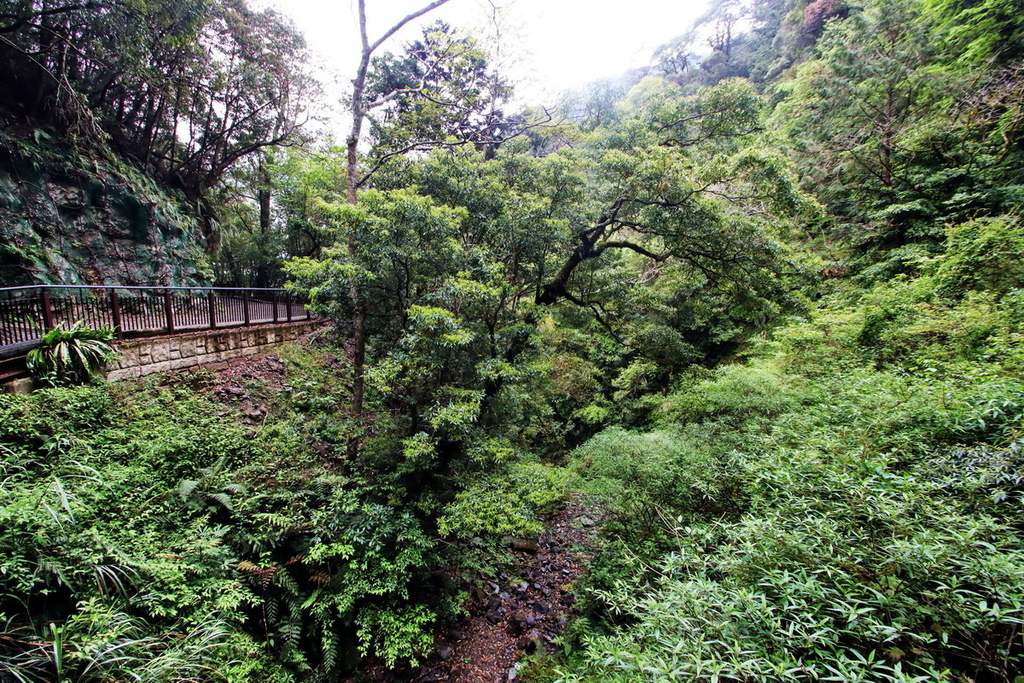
(184, 89)
(763, 303)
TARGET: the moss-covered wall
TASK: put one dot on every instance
(71, 217)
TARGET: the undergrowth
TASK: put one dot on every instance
(171, 529)
(846, 505)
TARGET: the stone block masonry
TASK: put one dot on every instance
(139, 357)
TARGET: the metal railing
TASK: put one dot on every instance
(27, 312)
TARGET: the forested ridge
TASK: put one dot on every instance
(760, 306)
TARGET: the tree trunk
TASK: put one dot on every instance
(351, 181)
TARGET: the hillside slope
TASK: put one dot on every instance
(74, 217)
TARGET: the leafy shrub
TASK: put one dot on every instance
(904, 260)
(732, 392)
(103, 644)
(848, 565)
(396, 633)
(876, 453)
(986, 254)
(647, 479)
(505, 503)
(990, 479)
(904, 323)
(994, 413)
(146, 501)
(843, 570)
(71, 356)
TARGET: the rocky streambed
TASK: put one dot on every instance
(516, 615)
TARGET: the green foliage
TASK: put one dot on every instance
(396, 633)
(831, 496)
(873, 453)
(100, 643)
(905, 118)
(451, 355)
(441, 89)
(200, 536)
(648, 479)
(71, 356)
(103, 572)
(230, 73)
(857, 100)
(290, 186)
(844, 505)
(866, 548)
(676, 263)
(983, 255)
(505, 505)
(979, 32)
(152, 527)
(734, 393)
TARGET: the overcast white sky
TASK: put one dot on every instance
(547, 45)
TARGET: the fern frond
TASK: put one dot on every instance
(187, 488)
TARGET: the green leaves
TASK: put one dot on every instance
(813, 514)
(506, 504)
(440, 90)
(396, 633)
(985, 255)
(71, 356)
(851, 562)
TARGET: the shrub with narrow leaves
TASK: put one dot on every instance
(71, 356)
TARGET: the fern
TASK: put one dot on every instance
(187, 488)
(291, 633)
(222, 499)
(263, 574)
(329, 652)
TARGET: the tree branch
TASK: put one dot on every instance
(595, 308)
(397, 27)
(438, 144)
(21, 20)
(600, 249)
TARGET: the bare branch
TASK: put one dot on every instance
(397, 27)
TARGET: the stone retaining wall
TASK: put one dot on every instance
(140, 357)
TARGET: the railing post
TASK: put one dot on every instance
(288, 304)
(273, 301)
(245, 307)
(168, 311)
(48, 320)
(212, 301)
(115, 312)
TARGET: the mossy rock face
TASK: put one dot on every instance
(68, 217)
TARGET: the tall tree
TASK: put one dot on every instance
(860, 97)
(685, 181)
(907, 118)
(185, 89)
(440, 90)
(358, 104)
